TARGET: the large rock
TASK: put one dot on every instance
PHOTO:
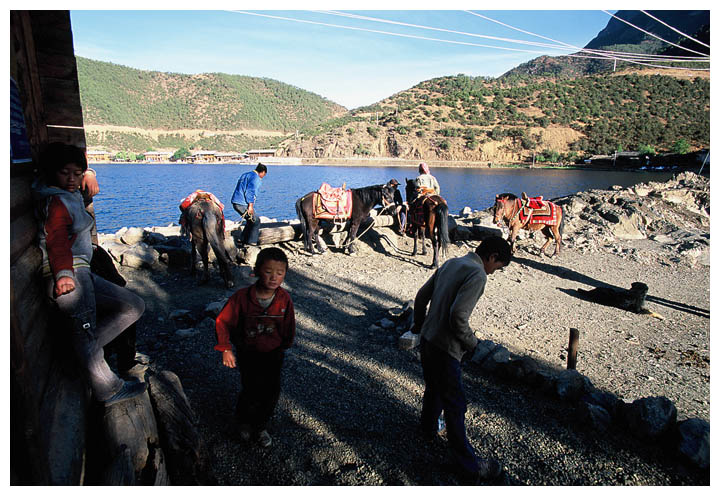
(140, 256)
(569, 384)
(650, 418)
(132, 236)
(694, 442)
(594, 417)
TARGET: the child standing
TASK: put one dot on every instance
(260, 321)
(99, 310)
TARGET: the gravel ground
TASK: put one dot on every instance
(350, 403)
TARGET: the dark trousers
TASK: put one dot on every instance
(261, 373)
(251, 231)
(444, 392)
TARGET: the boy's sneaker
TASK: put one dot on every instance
(245, 432)
(264, 439)
(129, 390)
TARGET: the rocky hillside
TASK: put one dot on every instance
(462, 118)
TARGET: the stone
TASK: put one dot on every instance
(461, 233)
(466, 211)
(628, 227)
(206, 324)
(408, 341)
(213, 309)
(132, 236)
(594, 417)
(186, 333)
(174, 256)
(607, 401)
(386, 323)
(483, 231)
(497, 359)
(154, 238)
(140, 256)
(569, 384)
(694, 442)
(249, 254)
(650, 418)
(181, 318)
(482, 350)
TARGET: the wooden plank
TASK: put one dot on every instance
(23, 232)
(21, 201)
(71, 136)
(59, 65)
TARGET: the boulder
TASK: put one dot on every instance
(694, 442)
(132, 236)
(408, 341)
(140, 256)
(497, 359)
(153, 238)
(483, 350)
(186, 333)
(461, 233)
(465, 212)
(594, 417)
(174, 256)
(569, 385)
(650, 418)
(213, 309)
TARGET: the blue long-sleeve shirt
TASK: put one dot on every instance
(247, 188)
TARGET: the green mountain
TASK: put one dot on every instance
(115, 95)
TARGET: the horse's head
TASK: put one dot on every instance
(410, 189)
(388, 192)
(503, 202)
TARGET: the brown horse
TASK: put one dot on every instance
(427, 213)
(363, 199)
(204, 221)
(519, 214)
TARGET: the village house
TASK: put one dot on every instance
(98, 156)
(157, 156)
(256, 154)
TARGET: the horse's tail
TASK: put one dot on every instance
(301, 216)
(214, 234)
(441, 212)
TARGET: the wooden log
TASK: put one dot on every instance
(187, 460)
(131, 423)
(278, 232)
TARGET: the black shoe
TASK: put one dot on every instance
(129, 390)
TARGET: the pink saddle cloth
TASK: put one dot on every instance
(332, 203)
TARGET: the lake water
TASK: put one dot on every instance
(137, 195)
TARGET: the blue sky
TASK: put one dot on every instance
(350, 67)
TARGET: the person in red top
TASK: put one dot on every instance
(259, 321)
(99, 311)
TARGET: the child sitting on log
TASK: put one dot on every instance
(260, 321)
(98, 309)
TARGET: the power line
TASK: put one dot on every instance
(676, 30)
(654, 36)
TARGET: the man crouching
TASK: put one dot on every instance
(452, 291)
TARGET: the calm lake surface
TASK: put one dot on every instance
(139, 195)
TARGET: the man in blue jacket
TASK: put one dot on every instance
(243, 201)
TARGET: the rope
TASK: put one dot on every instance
(345, 245)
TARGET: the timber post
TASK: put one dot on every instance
(572, 348)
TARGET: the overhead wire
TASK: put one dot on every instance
(653, 35)
(676, 30)
(639, 59)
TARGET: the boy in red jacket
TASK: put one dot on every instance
(260, 321)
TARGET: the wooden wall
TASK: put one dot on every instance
(48, 402)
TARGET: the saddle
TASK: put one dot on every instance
(416, 212)
(424, 191)
(332, 203)
(196, 196)
(535, 210)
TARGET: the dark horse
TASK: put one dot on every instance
(427, 213)
(204, 221)
(363, 199)
(507, 208)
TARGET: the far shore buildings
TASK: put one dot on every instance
(195, 157)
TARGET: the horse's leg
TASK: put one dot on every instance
(422, 240)
(204, 254)
(415, 240)
(513, 236)
(434, 238)
(193, 256)
(354, 226)
(548, 238)
(316, 237)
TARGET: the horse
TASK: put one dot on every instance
(363, 199)
(518, 214)
(427, 213)
(204, 221)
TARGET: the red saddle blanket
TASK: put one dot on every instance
(199, 195)
(537, 211)
(332, 203)
(416, 210)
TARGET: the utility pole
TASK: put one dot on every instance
(614, 64)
